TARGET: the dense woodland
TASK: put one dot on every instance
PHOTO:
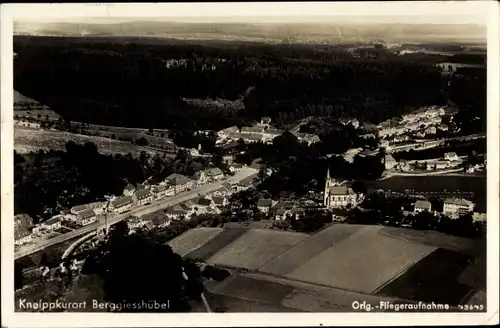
(139, 84)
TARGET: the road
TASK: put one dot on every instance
(140, 211)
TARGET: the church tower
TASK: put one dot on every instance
(326, 193)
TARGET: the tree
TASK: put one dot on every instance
(142, 142)
(158, 274)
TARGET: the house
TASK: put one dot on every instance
(478, 217)
(202, 205)
(264, 205)
(271, 133)
(214, 174)
(143, 197)
(235, 167)
(52, 224)
(389, 161)
(457, 206)
(253, 129)
(175, 213)
(422, 206)
(368, 136)
(440, 165)
(225, 132)
(451, 156)
(245, 184)
(86, 217)
(122, 204)
(163, 190)
(78, 209)
(291, 213)
(220, 201)
(128, 190)
(431, 130)
(161, 221)
(134, 222)
(200, 178)
(225, 190)
(443, 127)
(98, 207)
(307, 138)
(265, 120)
(21, 235)
(253, 137)
(179, 182)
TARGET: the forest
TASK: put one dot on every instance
(142, 84)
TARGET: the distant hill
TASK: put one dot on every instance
(282, 32)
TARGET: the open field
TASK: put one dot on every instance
(26, 140)
(215, 244)
(193, 239)
(432, 279)
(256, 248)
(362, 262)
(296, 256)
(345, 263)
(466, 184)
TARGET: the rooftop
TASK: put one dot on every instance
(341, 190)
(52, 221)
(88, 213)
(79, 208)
(458, 201)
(121, 201)
(177, 179)
(423, 204)
(143, 193)
(264, 202)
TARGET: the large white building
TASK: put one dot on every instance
(337, 195)
(457, 206)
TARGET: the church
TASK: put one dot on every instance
(337, 195)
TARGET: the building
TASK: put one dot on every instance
(86, 217)
(128, 190)
(235, 167)
(52, 224)
(225, 190)
(264, 205)
(143, 197)
(478, 217)
(253, 137)
(441, 165)
(220, 201)
(163, 191)
(245, 184)
(307, 138)
(78, 209)
(179, 182)
(430, 130)
(122, 204)
(161, 221)
(200, 178)
(265, 120)
(457, 206)
(422, 206)
(259, 129)
(134, 222)
(227, 131)
(389, 162)
(443, 127)
(214, 174)
(203, 205)
(288, 213)
(451, 156)
(336, 195)
(21, 235)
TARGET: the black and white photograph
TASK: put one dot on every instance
(216, 160)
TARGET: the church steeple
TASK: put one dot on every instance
(328, 174)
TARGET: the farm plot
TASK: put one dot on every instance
(31, 139)
(362, 262)
(433, 279)
(253, 289)
(193, 239)
(212, 246)
(256, 248)
(304, 251)
(434, 238)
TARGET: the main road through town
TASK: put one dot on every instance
(139, 211)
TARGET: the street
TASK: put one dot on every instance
(140, 211)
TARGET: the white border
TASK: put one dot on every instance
(422, 12)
